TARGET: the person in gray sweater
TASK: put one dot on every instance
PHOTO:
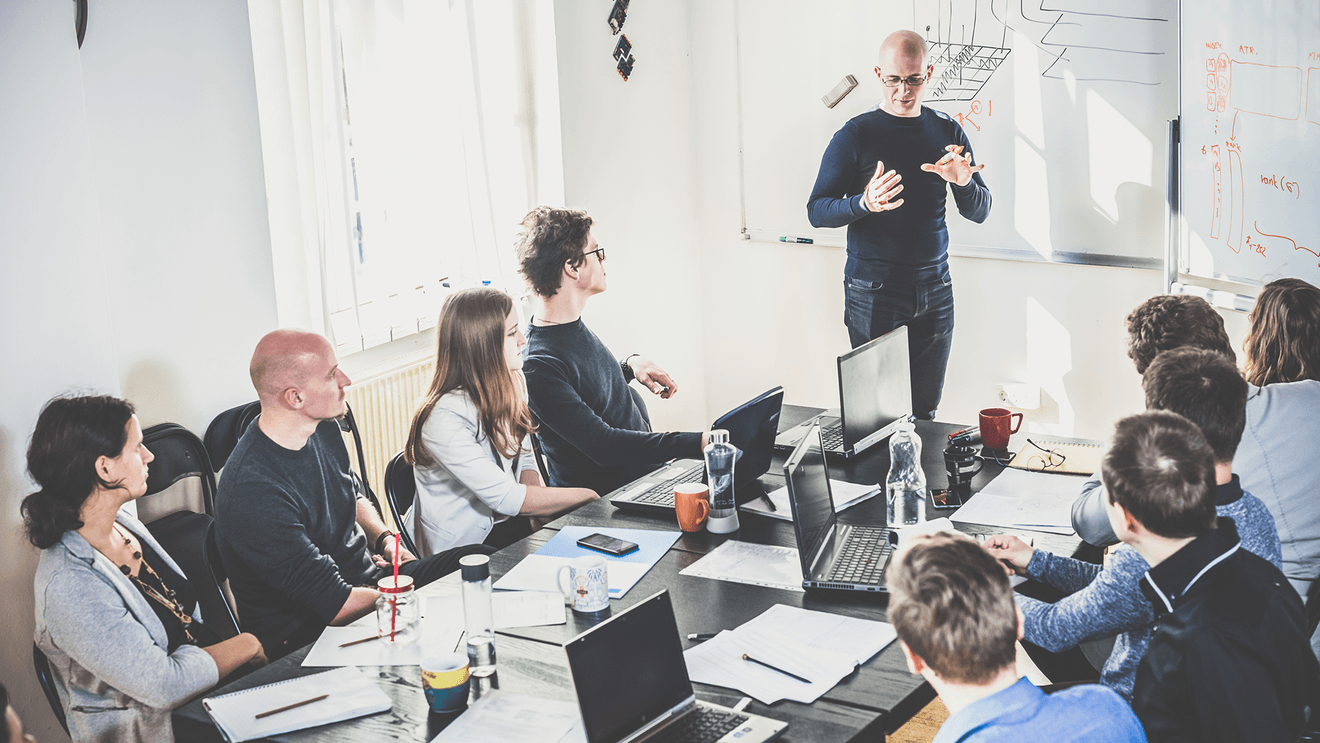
(1205, 387)
(116, 618)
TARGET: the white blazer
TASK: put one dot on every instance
(471, 488)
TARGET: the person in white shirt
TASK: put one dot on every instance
(470, 443)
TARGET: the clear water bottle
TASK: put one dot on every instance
(720, 455)
(905, 487)
(479, 619)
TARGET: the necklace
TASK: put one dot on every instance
(164, 596)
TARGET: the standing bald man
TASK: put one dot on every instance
(885, 176)
(302, 546)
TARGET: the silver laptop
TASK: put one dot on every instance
(751, 428)
(632, 684)
(838, 556)
(875, 395)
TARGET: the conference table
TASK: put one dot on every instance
(868, 704)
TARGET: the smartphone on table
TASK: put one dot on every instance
(607, 544)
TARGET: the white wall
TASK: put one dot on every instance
(137, 255)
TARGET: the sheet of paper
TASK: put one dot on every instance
(845, 494)
(1031, 500)
(539, 571)
(512, 718)
(440, 631)
(512, 608)
(719, 662)
(757, 564)
(349, 694)
(858, 639)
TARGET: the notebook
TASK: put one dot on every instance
(1077, 459)
(833, 555)
(632, 683)
(751, 428)
(875, 395)
(348, 692)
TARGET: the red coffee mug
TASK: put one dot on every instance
(691, 505)
(997, 425)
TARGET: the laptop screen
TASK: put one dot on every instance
(752, 427)
(875, 386)
(809, 495)
(629, 670)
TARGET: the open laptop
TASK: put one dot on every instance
(840, 556)
(875, 395)
(632, 684)
(751, 428)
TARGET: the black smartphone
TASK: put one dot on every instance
(946, 498)
(607, 544)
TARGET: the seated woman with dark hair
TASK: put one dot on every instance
(470, 442)
(115, 616)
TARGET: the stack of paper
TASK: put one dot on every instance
(540, 571)
(515, 718)
(1027, 500)
(845, 495)
(347, 693)
(754, 564)
(819, 647)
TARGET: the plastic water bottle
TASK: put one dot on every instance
(905, 487)
(479, 619)
(720, 455)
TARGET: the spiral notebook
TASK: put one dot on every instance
(1079, 459)
(348, 694)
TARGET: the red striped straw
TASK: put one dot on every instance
(394, 597)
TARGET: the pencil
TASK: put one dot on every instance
(295, 705)
(359, 641)
(767, 665)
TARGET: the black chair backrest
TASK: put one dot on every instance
(184, 535)
(400, 491)
(179, 455)
(226, 429)
(47, 681)
(348, 424)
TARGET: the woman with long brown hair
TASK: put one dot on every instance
(1276, 460)
(470, 442)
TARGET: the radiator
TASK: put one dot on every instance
(383, 407)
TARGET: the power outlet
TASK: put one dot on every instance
(1018, 395)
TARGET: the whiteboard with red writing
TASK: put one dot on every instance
(1250, 146)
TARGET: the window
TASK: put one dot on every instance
(431, 128)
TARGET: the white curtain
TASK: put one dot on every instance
(404, 140)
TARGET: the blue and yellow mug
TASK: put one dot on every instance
(445, 681)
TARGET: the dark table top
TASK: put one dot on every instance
(877, 698)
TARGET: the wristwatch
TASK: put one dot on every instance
(628, 375)
(380, 541)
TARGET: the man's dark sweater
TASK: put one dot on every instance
(593, 429)
(1230, 659)
(890, 246)
(286, 525)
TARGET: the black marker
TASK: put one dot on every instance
(791, 239)
(701, 636)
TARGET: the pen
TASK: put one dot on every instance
(461, 635)
(701, 636)
(791, 239)
(351, 643)
(767, 665)
(769, 503)
(295, 705)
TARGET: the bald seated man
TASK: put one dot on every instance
(302, 544)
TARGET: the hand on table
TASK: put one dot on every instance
(655, 379)
(1014, 553)
(954, 167)
(882, 189)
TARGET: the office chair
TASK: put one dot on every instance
(47, 681)
(400, 491)
(180, 456)
(225, 431)
(189, 538)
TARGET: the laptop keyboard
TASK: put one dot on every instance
(663, 494)
(831, 437)
(702, 725)
(863, 557)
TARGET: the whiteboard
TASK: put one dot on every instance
(1066, 107)
(1250, 141)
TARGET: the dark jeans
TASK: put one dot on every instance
(873, 308)
(423, 571)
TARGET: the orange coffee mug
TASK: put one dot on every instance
(997, 425)
(692, 504)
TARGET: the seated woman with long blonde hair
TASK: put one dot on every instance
(470, 442)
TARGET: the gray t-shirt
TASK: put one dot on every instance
(286, 525)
